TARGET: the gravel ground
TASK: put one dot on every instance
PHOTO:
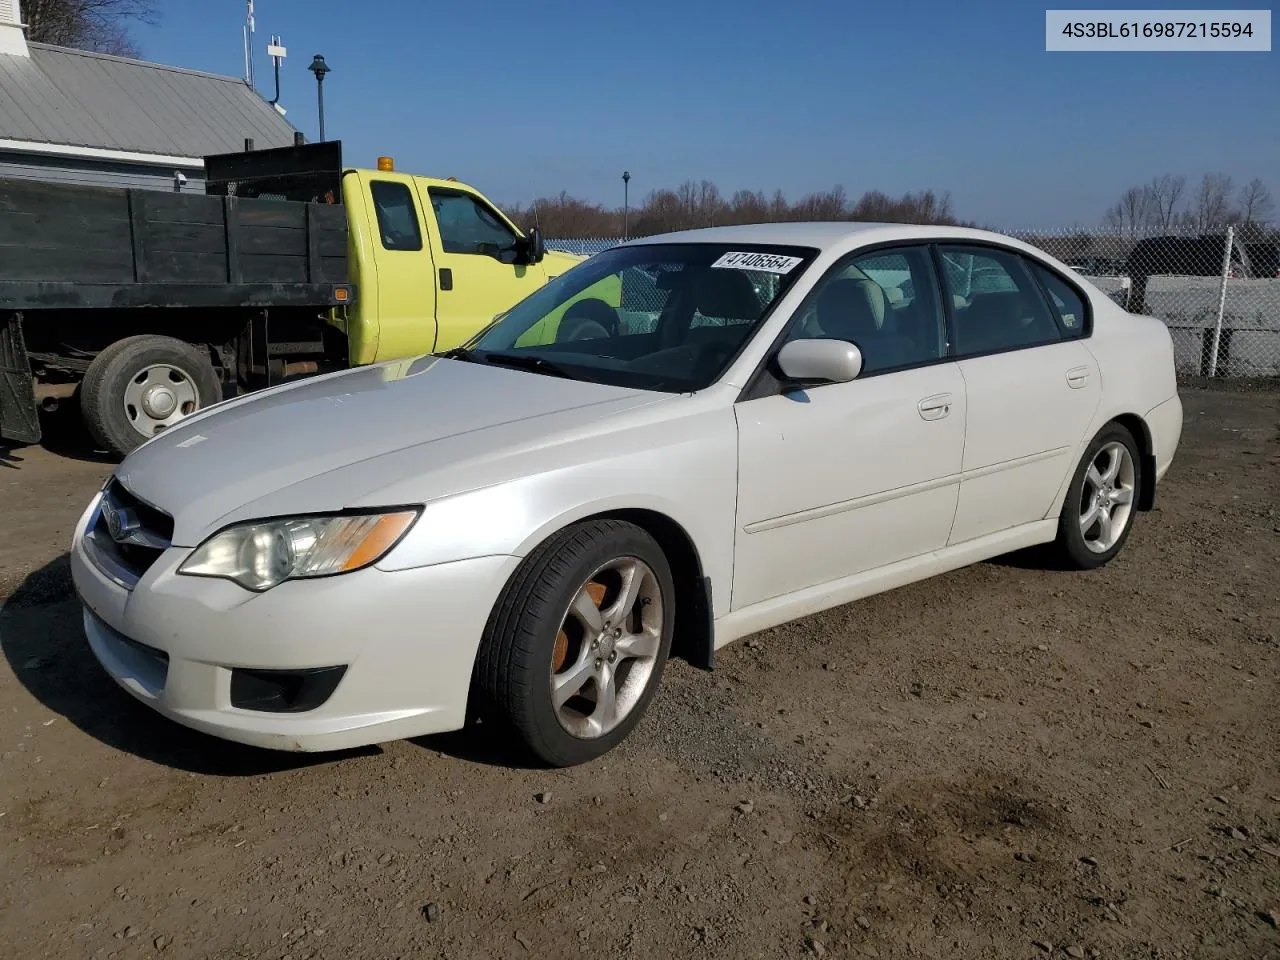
(1002, 762)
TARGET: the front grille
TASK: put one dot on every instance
(141, 533)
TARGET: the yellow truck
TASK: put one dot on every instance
(143, 306)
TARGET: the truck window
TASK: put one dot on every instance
(468, 226)
(397, 217)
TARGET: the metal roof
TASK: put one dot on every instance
(77, 98)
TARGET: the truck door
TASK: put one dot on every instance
(392, 246)
(471, 244)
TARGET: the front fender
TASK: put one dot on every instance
(691, 480)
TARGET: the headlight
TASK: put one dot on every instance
(260, 555)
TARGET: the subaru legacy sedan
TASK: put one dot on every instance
(683, 440)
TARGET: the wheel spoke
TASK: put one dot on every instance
(1104, 526)
(1093, 476)
(588, 614)
(1124, 495)
(1114, 457)
(1089, 517)
(185, 392)
(637, 645)
(604, 715)
(632, 580)
(565, 685)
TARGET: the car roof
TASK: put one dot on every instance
(822, 234)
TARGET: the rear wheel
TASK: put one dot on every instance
(140, 386)
(575, 648)
(1097, 515)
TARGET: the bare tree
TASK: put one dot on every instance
(1164, 193)
(1131, 213)
(700, 203)
(1256, 204)
(1213, 202)
(98, 25)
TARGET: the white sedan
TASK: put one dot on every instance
(725, 430)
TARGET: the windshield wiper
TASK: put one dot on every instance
(460, 353)
(527, 361)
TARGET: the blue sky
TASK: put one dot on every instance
(524, 99)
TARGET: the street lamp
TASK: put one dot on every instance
(626, 210)
(320, 68)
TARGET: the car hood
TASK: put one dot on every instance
(253, 455)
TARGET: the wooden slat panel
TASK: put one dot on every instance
(160, 236)
(256, 268)
(184, 208)
(333, 270)
(272, 213)
(180, 268)
(53, 231)
(259, 240)
(63, 199)
(87, 265)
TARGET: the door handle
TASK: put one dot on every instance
(1077, 377)
(935, 407)
(446, 278)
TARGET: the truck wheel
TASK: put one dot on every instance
(139, 386)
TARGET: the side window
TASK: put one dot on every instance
(996, 304)
(1068, 308)
(397, 216)
(885, 302)
(468, 226)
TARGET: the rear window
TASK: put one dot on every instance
(397, 216)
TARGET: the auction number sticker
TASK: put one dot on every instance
(768, 262)
(1184, 31)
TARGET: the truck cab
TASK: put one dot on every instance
(434, 262)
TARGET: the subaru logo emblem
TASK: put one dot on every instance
(121, 523)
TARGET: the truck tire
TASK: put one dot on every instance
(139, 386)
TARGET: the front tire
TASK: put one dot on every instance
(1102, 500)
(139, 386)
(575, 647)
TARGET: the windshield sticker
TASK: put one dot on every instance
(768, 262)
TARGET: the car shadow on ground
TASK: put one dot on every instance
(43, 642)
(486, 742)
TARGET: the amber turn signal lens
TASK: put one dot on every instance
(378, 541)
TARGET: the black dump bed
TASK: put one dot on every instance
(74, 246)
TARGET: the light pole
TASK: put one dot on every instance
(320, 68)
(626, 207)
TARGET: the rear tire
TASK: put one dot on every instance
(547, 673)
(139, 386)
(1101, 502)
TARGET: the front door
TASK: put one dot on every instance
(842, 478)
(470, 242)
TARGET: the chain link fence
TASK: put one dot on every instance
(1219, 292)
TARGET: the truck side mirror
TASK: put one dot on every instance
(537, 246)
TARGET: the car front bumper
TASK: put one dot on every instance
(406, 640)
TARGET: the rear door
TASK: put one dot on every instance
(393, 273)
(1031, 385)
(473, 247)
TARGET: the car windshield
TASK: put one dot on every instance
(661, 316)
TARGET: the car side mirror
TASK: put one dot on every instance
(820, 361)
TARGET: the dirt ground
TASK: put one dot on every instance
(1002, 762)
